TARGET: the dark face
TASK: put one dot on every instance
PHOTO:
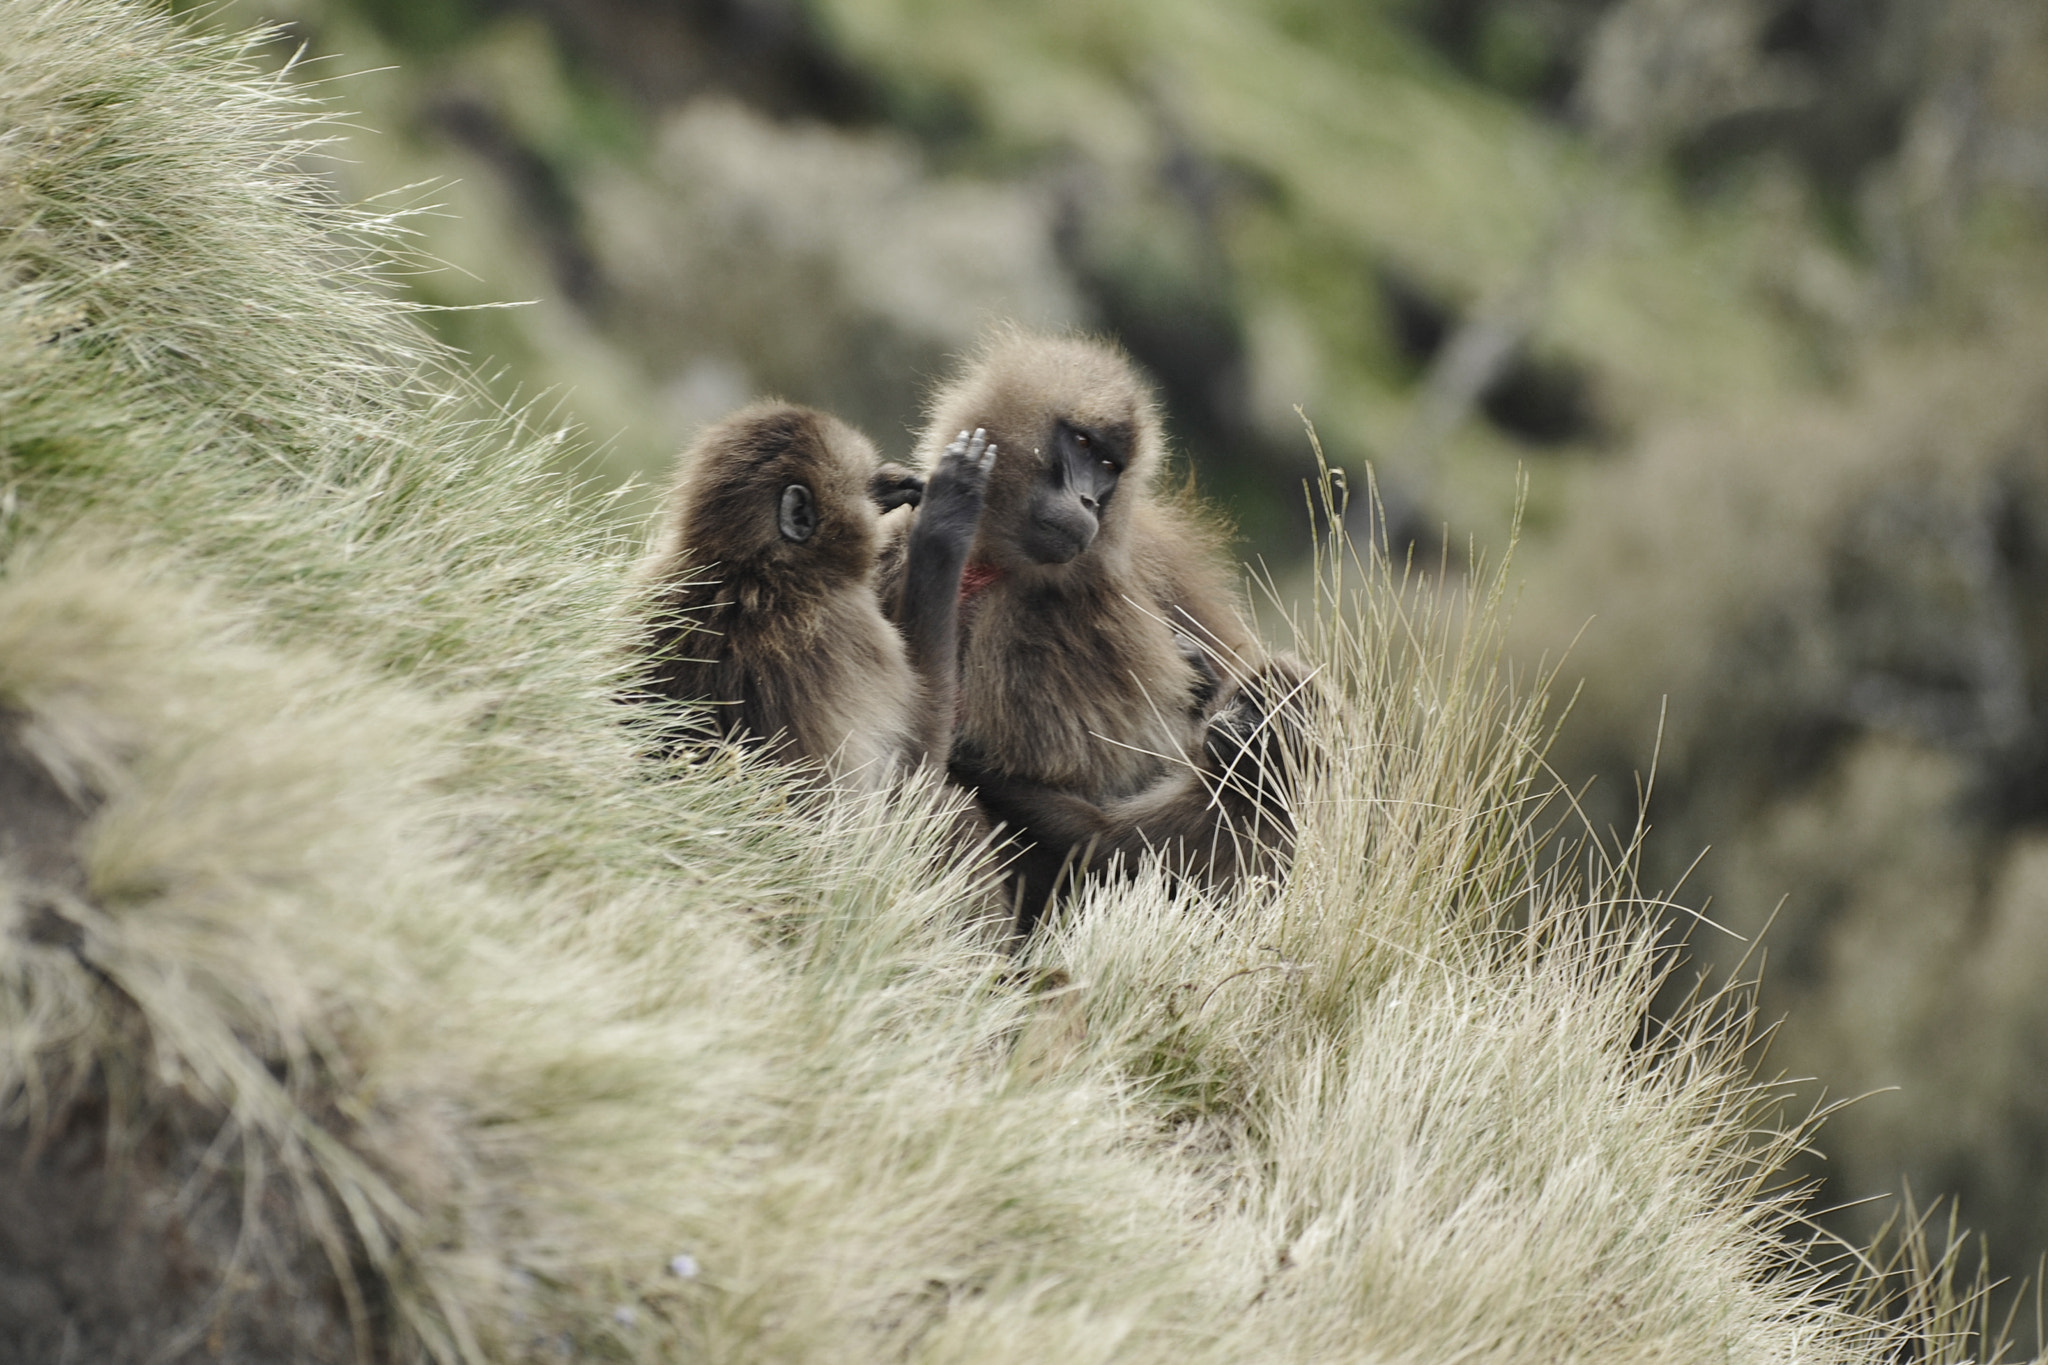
(1073, 492)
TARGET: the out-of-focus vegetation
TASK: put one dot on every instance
(1750, 291)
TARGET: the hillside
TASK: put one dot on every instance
(368, 996)
(1745, 293)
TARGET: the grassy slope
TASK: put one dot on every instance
(374, 877)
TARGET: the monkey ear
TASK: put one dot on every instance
(798, 517)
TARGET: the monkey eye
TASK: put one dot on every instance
(798, 517)
(1085, 445)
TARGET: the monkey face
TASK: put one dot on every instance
(1076, 479)
(1080, 439)
(784, 492)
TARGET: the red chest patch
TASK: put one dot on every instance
(974, 578)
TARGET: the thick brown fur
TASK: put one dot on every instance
(1091, 689)
(787, 640)
(1077, 675)
(1226, 815)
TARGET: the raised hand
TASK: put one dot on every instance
(953, 494)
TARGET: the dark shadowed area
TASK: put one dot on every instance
(132, 1228)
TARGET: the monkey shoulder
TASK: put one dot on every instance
(1183, 567)
(837, 685)
(723, 635)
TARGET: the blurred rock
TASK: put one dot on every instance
(825, 265)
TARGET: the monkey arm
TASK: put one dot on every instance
(937, 553)
(1227, 814)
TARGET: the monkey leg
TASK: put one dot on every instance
(1055, 834)
(1226, 816)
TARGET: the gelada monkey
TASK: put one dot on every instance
(765, 574)
(1112, 697)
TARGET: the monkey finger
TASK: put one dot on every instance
(892, 486)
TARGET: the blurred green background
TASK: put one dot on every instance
(1744, 300)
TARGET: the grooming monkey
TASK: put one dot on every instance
(1112, 699)
(766, 571)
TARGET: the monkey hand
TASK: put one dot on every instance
(953, 496)
(934, 560)
(1259, 741)
(1208, 683)
(894, 486)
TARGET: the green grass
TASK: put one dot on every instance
(375, 877)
